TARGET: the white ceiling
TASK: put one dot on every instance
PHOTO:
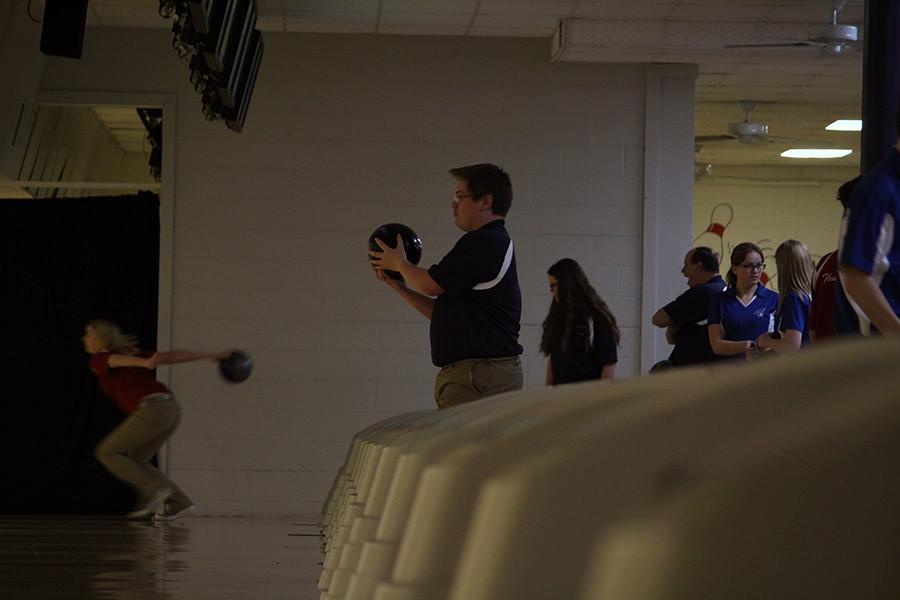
(807, 87)
(125, 126)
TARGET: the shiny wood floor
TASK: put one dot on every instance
(195, 558)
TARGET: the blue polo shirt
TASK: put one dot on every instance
(478, 314)
(690, 312)
(869, 241)
(742, 323)
(794, 315)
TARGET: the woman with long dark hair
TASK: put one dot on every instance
(580, 332)
(745, 310)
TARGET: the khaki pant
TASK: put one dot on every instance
(126, 451)
(472, 379)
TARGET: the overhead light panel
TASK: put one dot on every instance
(816, 153)
(845, 125)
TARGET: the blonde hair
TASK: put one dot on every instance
(112, 337)
(795, 269)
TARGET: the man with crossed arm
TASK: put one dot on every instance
(685, 317)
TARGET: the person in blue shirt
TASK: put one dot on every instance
(580, 333)
(870, 246)
(744, 311)
(795, 274)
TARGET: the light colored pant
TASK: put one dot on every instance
(126, 451)
(475, 378)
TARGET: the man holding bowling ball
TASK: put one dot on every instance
(471, 296)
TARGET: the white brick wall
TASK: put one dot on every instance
(346, 133)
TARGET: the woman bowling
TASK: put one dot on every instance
(580, 332)
(795, 273)
(124, 374)
(745, 310)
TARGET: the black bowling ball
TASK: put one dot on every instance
(237, 367)
(387, 233)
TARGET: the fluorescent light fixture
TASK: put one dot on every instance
(845, 125)
(816, 153)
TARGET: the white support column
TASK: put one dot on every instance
(668, 196)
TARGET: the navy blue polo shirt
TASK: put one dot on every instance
(869, 241)
(742, 323)
(478, 314)
(690, 313)
(794, 315)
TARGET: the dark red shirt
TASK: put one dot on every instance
(126, 386)
(821, 311)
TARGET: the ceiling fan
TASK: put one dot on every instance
(835, 38)
(750, 132)
(745, 132)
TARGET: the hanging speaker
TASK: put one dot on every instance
(63, 30)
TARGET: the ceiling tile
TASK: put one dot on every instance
(720, 12)
(430, 6)
(512, 32)
(308, 27)
(621, 10)
(447, 20)
(330, 6)
(526, 7)
(449, 30)
(816, 12)
(354, 19)
(544, 23)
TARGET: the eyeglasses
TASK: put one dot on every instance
(457, 197)
(553, 285)
(750, 267)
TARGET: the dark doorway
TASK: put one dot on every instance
(62, 263)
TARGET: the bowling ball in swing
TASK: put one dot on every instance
(237, 367)
(387, 233)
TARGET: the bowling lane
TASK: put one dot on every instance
(196, 558)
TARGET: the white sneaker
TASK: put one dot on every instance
(145, 509)
(177, 514)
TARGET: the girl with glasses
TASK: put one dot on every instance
(745, 310)
(580, 333)
(795, 273)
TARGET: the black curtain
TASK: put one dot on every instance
(62, 263)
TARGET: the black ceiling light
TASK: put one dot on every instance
(223, 48)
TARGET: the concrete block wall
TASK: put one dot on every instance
(345, 133)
